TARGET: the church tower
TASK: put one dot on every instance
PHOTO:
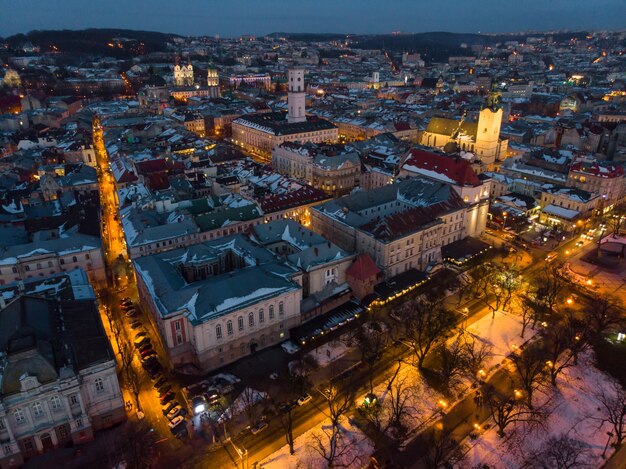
(211, 76)
(183, 74)
(296, 99)
(488, 130)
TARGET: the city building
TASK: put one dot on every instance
(58, 381)
(401, 226)
(260, 133)
(220, 300)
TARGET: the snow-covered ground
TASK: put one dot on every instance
(248, 398)
(573, 412)
(329, 352)
(354, 449)
(501, 333)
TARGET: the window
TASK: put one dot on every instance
(177, 326)
(218, 331)
(99, 385)
(251, 320)
(18, 414)
(240, 323)
(2, 427)
(281, 309)
(74, 259)
(261, 316)
(271, 312)
(73, 399)
(229, 327)
(37, 410)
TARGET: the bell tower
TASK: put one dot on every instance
(296, 99)
(488, 129)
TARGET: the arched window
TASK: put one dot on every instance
(261, 316)
(240, 323)
(271, 312)
(251, 320)
(281, 309)
(229, 327)
(218, 331)
(99, 385)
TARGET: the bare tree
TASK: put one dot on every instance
(132, 379)
(562, 343)
(549, 286)
(616, 220)
(338, 403)
(371, 341)
(452, 361)
(249, 398)
(442, 449)
(330, 445)
(426, 322)
(530, 369)
(527, 312)
(475, 352)
(612, 409)
(602, 313)
(559, 452)
(507, 410)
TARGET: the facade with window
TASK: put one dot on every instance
(401, 226)
(43, 258)
(244, 300)
(50, 399)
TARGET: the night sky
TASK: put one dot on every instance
(258, 17)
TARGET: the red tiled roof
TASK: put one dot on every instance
(363, 268)
(151, 166)
(604, 171)
(457, 169)
(406, 222)
(303, 196)
(400, 126)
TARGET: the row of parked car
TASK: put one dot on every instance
(150, 363)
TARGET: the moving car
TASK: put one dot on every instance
(304, 399)
(550, 257)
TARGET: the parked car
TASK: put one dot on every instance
(164, 390)
(135, 324)
(168, 407)
(160, 382)
(175, 412)
(141, 341)
(304, 399)
(141, 334)
(146, 346)
(147, 353)
(165, 398)
(176, 421)
(259, 427)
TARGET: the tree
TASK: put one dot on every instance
(132, 379)
(530, 369)
(507, 410)
(426, 322)
(612, 409)
(442, 449)
(452, 361)
(616, 220)
(475, 352)
(527, 310)
(602, 313)
(549, 286)
(562, 342)
(338, 403)
(559, 452)
(330, 445)
(371, 341)
(286, 420)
